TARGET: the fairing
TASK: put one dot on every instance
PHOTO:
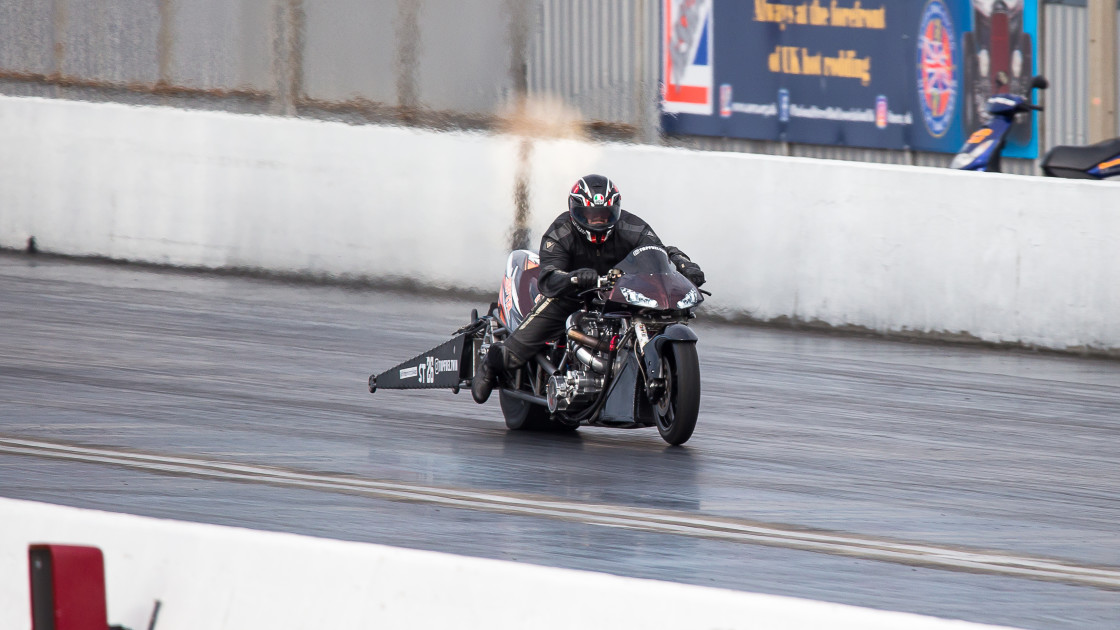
(648, 271)
(519, 293)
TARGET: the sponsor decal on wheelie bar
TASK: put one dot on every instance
(426, 372)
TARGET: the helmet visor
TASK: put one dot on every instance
(597, 217)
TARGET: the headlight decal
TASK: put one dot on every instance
(689, 300)
(637, 299)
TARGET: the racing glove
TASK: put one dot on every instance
(585, 278)
(692, 271)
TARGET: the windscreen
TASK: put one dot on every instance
(648, 259)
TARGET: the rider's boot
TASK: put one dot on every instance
(487, 374)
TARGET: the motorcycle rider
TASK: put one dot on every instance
(585, 242)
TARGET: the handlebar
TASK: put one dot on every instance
(608, 280)
(612, 275)
(602, 282)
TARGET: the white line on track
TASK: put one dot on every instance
(644, 519)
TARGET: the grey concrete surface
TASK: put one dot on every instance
(996, 450)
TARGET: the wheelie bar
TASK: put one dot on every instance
(447, 366)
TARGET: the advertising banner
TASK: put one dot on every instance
(891, 74)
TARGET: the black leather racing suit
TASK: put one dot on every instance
(563, 249)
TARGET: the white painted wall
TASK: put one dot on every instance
(223, 578)
(892, 249)
(220, 190)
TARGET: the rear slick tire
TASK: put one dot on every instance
(676, 416)
(522, 415)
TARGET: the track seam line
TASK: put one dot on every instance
(642, 519)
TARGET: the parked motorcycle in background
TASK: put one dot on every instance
(1096, 161)
(984, 148)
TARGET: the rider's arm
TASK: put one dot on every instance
(556, 261)
(649, 237)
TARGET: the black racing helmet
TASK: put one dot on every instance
(595, 206)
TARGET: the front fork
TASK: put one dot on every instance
(652, 351)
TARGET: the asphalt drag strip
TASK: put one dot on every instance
(680, 523)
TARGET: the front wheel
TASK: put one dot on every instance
(676, 411)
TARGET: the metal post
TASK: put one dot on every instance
(518, 11)
(647, 74)
(288, 56)
(408, 56)
(1040, 60)
(519, 46)
(58, 21)
(163, 41)
(1102, 70)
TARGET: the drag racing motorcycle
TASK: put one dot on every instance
(627, 358)
(984, 148)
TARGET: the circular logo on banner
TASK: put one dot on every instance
(937, 70)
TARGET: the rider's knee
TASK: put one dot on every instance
(504, 357)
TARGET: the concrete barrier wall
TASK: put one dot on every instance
(221, 190)
(891, 249)
(1002, 258)
(223, 578)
